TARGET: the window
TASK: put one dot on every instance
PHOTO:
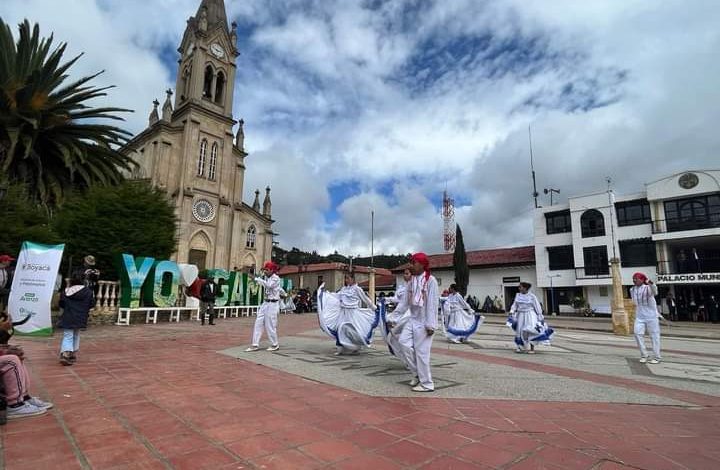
(633, 212)
(201, 158)
(693, 213)
(207, 82)
(558, 222)
(603, 291)
(592, 224)
(213, 161)
(636, 253)
(561, 257)
(596, 260)
(251, 233)
(219, 87)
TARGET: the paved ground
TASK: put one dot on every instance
(181, 396)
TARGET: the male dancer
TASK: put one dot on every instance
(268, 312)
(647, 316)
(416, 338)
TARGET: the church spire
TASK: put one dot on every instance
(256, 202)
(210, 14)
(267, 203)
(240, 135)
(154, 116)
(167, 107)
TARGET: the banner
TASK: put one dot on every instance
(33, 286)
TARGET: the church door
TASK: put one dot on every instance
(197, 257)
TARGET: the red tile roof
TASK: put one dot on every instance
(521, 255)
(311, 268)
(385, 280)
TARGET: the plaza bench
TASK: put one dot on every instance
(151, 313)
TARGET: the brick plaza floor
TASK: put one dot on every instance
(163, 397)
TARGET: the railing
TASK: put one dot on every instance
(689, 266)
(680, 224)
(592, 272)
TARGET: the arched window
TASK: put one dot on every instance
(592, 224)
(207, 82)
(213, 161)
(251, 233)
(201, 158)
(219, 87)
(185, 84)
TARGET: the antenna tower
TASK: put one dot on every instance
(448, 215)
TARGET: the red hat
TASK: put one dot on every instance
(270, 266)
(640, 276)
(423, 259)
(6, 259)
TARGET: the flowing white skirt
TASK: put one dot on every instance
(528, 327)
(392, 335)
(458, 324)
(352, 328)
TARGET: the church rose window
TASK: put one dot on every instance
(213, 161)
(250, 243)
(201, 158)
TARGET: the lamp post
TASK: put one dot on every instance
(621, 325)
(552, 294)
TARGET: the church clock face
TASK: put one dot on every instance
(203, 210)
(217, 50)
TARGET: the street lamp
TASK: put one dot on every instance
(552, 294)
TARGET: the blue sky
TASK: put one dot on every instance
(354, 106)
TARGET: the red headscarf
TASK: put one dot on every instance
(640, 276)
(424, 260)
(270, 266)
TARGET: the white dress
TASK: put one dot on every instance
(459, 319)
(527, 319)
(399, 321)
(342, 317)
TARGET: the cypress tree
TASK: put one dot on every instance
(462, 270)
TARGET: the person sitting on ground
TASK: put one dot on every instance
(15, 383)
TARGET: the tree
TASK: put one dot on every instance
(23, 220)
(51, 139)
(132, 217)
(462, 271)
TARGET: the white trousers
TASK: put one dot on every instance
(416, 346)
(653, 329)
(266, 318)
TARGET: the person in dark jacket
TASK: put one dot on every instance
(76, 301)
(208, 292)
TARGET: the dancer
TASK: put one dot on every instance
(459, 319)
(646, 316)
(527, 319)
(341, 316)
(268, 312)
(394, 322)
(416, 338)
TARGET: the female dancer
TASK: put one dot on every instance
(528, 320)
(459, 319)
(394, 322)
(341, 316)
(646, 316)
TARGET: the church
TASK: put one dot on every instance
(189, 150)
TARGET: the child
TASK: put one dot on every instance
(76, 301)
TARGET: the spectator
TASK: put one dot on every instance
(76, 301)
(713, 309)
(89, 275)
(6, 274)
(208, 292)
(672, 307)
(15, 383)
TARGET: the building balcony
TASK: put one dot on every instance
(689, 266)
(685, 224)
(593, 272)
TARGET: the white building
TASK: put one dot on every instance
(670, 231)
(493, 273)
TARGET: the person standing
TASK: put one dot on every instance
(672, 306)
(527, 318)
(647, 316)
(6, 275)
(268, 312)
(76, 302)
(713, 309)
(459, 319)
(208, 293)
(422, 300)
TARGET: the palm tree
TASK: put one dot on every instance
(51, 139)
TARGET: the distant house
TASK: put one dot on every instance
(494, 272)
(310, 276)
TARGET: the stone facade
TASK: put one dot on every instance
(189, 150)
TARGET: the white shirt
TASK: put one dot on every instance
(422, 299)
(644, 299)
(353, 297)
(272, 286)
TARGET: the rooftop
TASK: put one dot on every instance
(521, 255)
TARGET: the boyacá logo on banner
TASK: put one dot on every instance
(35, 267)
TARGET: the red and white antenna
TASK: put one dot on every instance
(448, 215)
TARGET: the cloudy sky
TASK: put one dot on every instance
(352, 106)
